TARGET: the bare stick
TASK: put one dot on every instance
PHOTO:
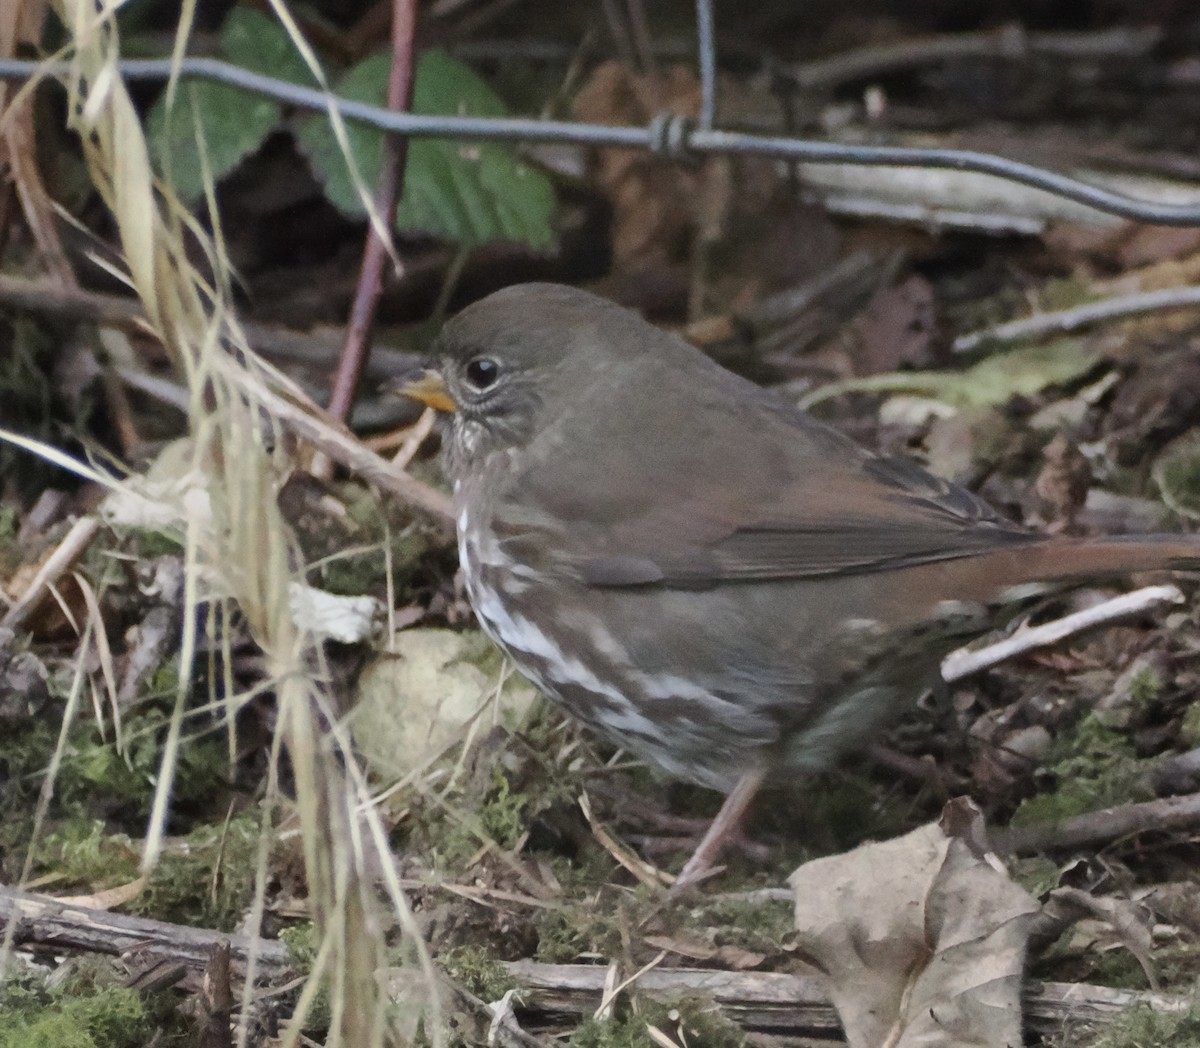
(795, 1004)
(342, 446)
(48, 298)
(1100, 827)
(142, 943)
(360, 329)
(1009, 42)
(1113, 308)
(72, 547)
(964, 662)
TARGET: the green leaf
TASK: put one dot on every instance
(467, 192)
(261, 44)
(234, 122)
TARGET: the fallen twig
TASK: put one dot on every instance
(73, 546)
(143, 944)
(795, 1005)
(964, 662)
(343, 447)
(1100, 827)
(1009, 42)
(48, 298)
(1081, 316)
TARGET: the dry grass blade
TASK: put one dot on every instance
(244, 553)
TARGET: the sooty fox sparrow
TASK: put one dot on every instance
(693, 566)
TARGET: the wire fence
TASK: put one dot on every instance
(668, 134)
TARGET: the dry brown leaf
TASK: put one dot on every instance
(108, 898)
(1123, 247)
(736, 221)
(20, 30)
(1062, 484)
(921, 940)
(897, 328)
(1147, 245)
(651, 196)
(1126, 921)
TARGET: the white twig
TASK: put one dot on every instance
(964, 662)
(72, 547)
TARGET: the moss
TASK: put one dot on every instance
(567, 932)
(1117, 968)
(150, 545)
(25, 753)
(208, 880)
(1145, 687)
(94, 774)
(691, 1022)
(1065, 292)
(89, 1009)
(302, 945)
(1178, 966)
(626, 1031)
(82, 851)
(1189, 729)
(478, 972)
(361, 569)
(1094, 767)
(500, 815)
(696, 1023)
(1144, 1027)
(9, 555)
(579, 873)
(98, 778)
(771, 920)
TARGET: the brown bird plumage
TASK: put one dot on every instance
(695, 567)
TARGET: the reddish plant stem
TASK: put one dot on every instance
(360, 330)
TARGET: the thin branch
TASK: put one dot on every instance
(1008, 42)
(1081, 316)
(343, 447)
(74, 545)
(965, 662)
(795, 1004)
(143, 943)
(1101, 827)
(49, 298)
(357, 346)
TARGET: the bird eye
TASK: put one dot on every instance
(482, 373)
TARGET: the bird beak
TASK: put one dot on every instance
(430, 389)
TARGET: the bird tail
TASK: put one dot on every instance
(1119, 555)
(1023, 570)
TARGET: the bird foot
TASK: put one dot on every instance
(726, 825)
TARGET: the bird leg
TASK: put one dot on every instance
(726, 824)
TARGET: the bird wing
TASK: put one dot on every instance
(788, 498)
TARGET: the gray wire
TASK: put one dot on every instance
(667, 134)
